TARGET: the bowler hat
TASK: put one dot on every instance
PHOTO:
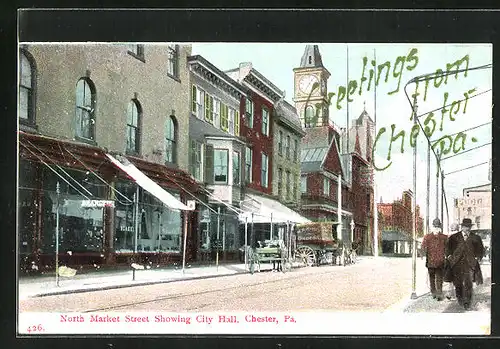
(467, 222)
(436, 223)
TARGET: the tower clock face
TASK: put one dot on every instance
(306, 83)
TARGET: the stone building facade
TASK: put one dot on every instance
(78, 104)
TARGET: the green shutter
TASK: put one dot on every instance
(209, 164)
(193, 98)
(236, 123)
(207, 107)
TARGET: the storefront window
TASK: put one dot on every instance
(159, 228)
(26, 206)
(80, 227)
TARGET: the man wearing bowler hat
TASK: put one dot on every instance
(434, 245)
(464, 249)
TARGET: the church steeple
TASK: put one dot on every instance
(311, 57)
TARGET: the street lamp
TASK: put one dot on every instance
(352, 230)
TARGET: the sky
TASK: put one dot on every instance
(390, 105)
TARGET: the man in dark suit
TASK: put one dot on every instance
(464, 249)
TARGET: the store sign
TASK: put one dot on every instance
(97, 203)
(478, 202)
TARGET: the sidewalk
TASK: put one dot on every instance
(40, 286)
(102, 280)
(481, 299)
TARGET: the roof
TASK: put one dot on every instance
(316, 137)
(289, 113)
(477, 188)
(199, 129)
(227, 79)
(394, 235)
(312, 158)
(311, 57)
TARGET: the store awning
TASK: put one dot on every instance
(148, 184)
(267, 210)
(394, 235)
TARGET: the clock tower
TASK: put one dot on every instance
(310, 89)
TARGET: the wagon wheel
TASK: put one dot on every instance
(306, 255)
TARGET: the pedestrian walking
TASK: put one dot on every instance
(448, 276)
(464, 250)
(434, 246)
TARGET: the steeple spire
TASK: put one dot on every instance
(311, 57)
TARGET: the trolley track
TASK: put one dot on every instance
(267, 282)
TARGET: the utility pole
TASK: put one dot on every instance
(57, 234)
(136, 226)
(427, 199)
(442, 200)
(414, 241)
(375, 193)
(438, 165)
(218, 234)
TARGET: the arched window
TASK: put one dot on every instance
(309, 120)
(26, 89)
(171, 140)
(85, 109)
(134, 113)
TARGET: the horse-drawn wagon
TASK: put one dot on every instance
(316, 244)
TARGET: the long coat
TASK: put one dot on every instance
(462, 254)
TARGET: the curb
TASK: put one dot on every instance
(135, 284)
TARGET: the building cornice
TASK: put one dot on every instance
(218, 78)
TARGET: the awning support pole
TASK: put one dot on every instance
(246, 243)
(186, 215)
(136, 225)
(271, 233)
(218, 242)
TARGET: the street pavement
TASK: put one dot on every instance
(373, 284)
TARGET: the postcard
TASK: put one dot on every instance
(254, 188)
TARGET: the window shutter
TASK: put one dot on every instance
(192, 157)
(209, 164)
(193, 98)
(236, 123)
(207, 107)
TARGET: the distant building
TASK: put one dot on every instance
(396, 224)
(476, 205)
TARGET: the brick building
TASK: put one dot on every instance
(396, 224)
(272, 132)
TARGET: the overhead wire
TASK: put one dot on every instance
(60, 168)
(427, 77)
(58, 174)
(95, 174)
